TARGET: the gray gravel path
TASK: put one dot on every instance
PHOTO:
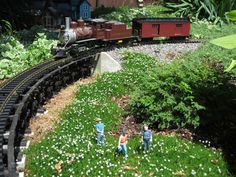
(164, 52)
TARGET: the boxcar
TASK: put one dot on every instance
(161, 27)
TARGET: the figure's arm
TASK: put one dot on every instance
(98, 130)
(150, 135)
(102, 132)
(119, 141)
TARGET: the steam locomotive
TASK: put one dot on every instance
(80, 35)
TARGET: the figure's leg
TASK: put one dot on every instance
(148, 144)
(102, 139)
(98, 138)
(145, 145)
(125, 151)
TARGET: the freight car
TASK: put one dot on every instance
(82, 34)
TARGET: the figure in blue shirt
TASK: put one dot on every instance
(146, 138)
(100, 131)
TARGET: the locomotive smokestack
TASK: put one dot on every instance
(67, 23)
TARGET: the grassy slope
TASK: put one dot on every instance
(73, 142)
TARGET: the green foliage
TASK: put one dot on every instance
(101, 11)
(167, 95)
(231, 66)
(231, 15)
(228, 42)
(126, 14)
(212, 10)
(28, 36)
(6, 27)
(15, 57)
(73, 141)
(208, 30)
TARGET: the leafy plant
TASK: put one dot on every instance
(231, 15)
(228, 42)
(15, 57)
(126, 15)
(166, 97)
(212, 10)
(6, 27)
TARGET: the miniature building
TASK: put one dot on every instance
(53, 12)
(84, 9)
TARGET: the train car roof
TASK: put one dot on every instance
(98, 20)
(143, 20)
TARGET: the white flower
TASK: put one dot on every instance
(193, 172)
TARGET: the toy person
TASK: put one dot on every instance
(100, 131)
(122, 143)
(146, 138)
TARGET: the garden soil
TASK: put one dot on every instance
(44, 123)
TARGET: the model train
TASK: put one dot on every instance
(83, 34)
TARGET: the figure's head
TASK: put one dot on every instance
(98, 119)
(123, 131)
(145, 127)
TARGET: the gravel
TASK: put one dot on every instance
(163, 52)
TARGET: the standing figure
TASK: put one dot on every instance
(100, 131)
(146, 138)
(122, 143)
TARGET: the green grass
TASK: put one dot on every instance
(73, 141)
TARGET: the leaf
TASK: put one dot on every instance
(231, 15)
(228, 42)
(231, 66)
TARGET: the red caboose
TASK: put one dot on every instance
(161, 27)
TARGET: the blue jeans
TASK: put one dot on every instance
(146, 144)
(124, 149)
(100, 138)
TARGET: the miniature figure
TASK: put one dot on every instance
(100, 131)
(122, 143)
(146, 138)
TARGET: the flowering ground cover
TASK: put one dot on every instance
(71, 149)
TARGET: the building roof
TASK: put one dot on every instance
(81, 1)
(143, 20)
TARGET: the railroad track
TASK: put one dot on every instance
(21, 96)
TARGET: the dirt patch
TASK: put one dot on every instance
(182, 132)
(128, 121)
(44, 123)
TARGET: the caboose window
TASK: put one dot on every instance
(179, 25)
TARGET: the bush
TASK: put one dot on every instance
(126, 14)
(167, 99)
(29, 36)
(212, 10)
(172, 95)
(15, 57)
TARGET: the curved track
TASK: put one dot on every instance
(21, 96)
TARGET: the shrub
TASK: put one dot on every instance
(212, 10)
(15, 57)
(167, 99)
(174, 95)
(126, 14)
(29, 36)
